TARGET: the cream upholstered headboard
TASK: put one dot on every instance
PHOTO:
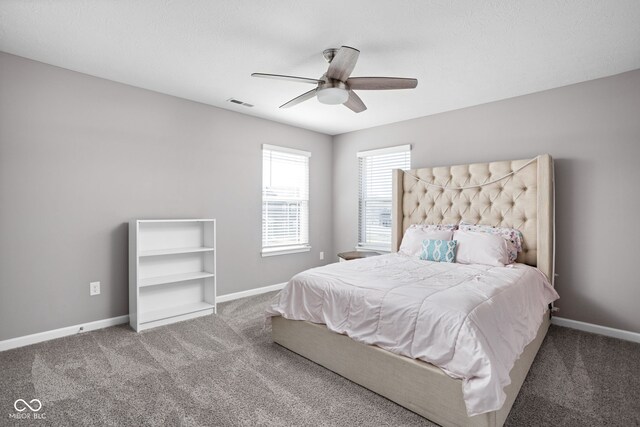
(475, 193)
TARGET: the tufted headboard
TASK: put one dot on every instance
(523, 199)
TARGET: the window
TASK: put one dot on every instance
(375, 194)
(285, 200)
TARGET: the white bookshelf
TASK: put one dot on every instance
(172, 271)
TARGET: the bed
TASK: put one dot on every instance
(516, 194)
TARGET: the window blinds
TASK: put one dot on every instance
(375, 195)
(285, 198)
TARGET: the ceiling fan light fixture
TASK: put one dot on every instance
(333, 95)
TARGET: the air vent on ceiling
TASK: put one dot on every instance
(237, 101)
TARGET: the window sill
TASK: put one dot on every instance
(285, 250)
(385, 250)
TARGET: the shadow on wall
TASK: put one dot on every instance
(575, 214)
(119, 266)
(565, 210)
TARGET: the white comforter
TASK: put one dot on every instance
(472, 321)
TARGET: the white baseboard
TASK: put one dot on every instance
(105, 323)
(250, 292)
(62, 332)
(596, 329)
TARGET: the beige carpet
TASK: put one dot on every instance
(225, 371)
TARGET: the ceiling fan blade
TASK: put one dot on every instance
(343, 63)
(381, 83)
(298, 99)
(354, 103)
(288, 78)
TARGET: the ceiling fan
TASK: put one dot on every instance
(336, 87)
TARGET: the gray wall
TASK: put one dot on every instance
(81, 156)
(593, 131)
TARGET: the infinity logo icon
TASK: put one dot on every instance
(24, 405)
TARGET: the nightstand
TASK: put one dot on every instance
(348, 256)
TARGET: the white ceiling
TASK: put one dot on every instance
(463, 53)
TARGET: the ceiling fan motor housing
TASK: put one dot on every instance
(329, 54)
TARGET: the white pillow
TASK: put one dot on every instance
(412, 241)
(481, 248)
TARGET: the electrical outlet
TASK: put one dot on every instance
(321, 256)
(94, 288)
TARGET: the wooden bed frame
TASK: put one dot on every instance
(516, 194)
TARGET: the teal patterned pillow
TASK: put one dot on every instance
(439, 250)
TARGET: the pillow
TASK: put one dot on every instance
(439, 250)
(511, 235)
(412, 240)
(435, 227)
(481, 248)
